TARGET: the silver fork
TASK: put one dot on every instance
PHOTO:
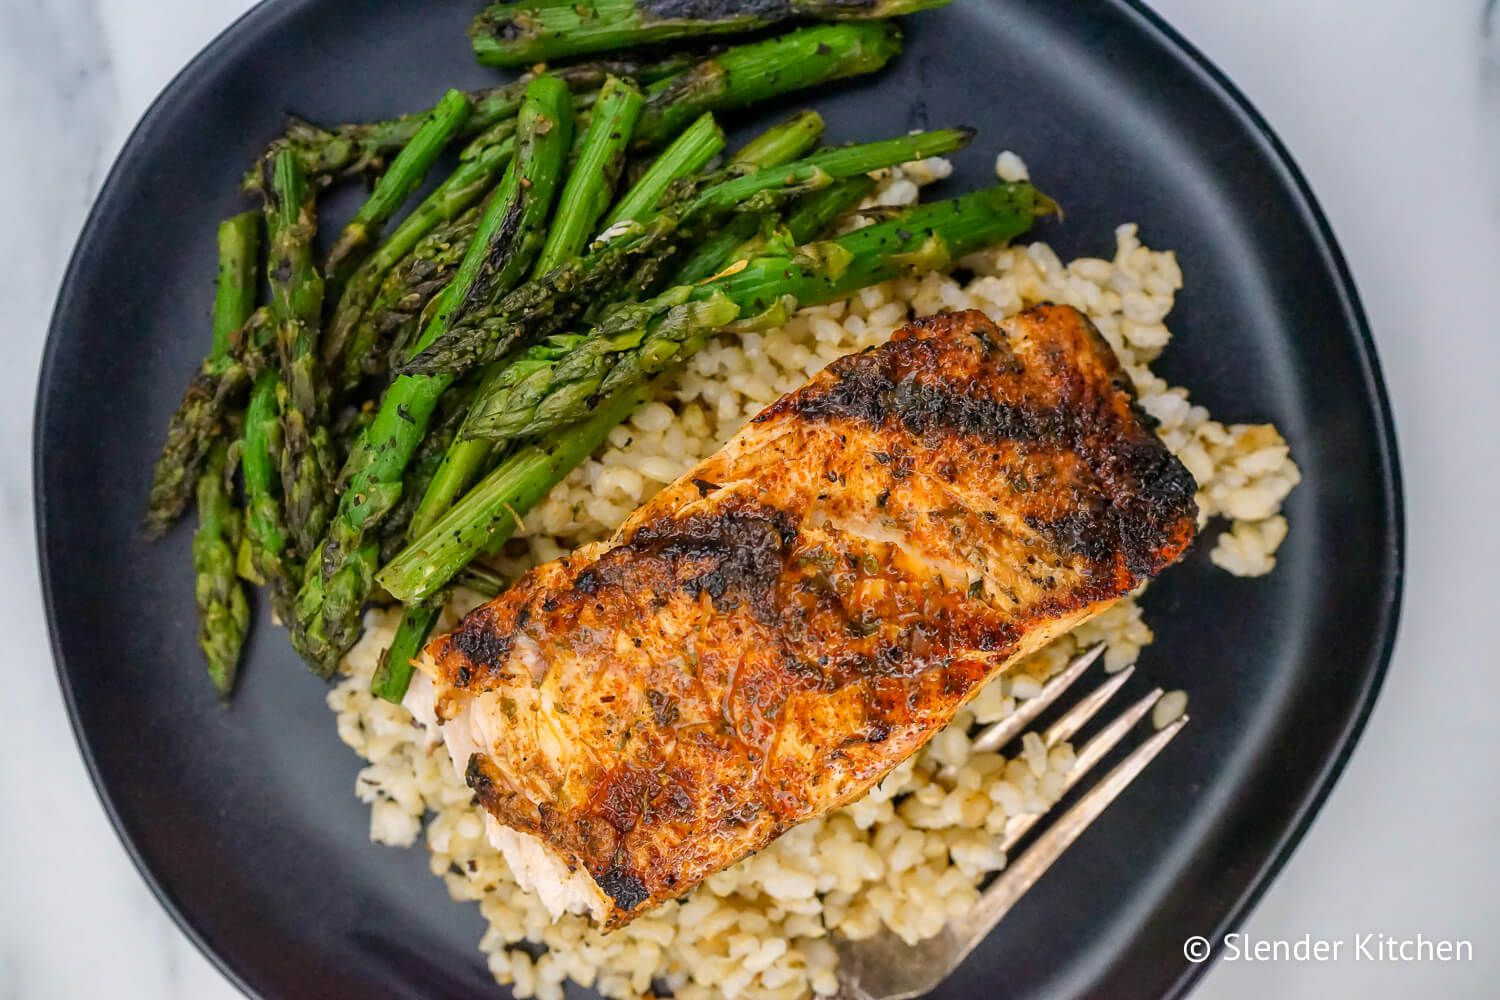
(884, 967)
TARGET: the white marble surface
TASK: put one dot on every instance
(1393, 110)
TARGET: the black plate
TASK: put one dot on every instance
(243, 819)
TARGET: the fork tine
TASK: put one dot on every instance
(1110, 736)
(1010, 727)
(1030, 866)
(1078, 716)
(1093, 751)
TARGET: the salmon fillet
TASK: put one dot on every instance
(773, 633)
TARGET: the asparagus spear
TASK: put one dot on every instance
(307, 462)
(223, 611)
(551, 300)
(475, 176)
(393, 676)
(198, 420)
(424, 465)
(781, 143)
(708, 257)
(701, 142)
(379, 341)
(487, 336)
(234, 290)
(397, 184)
(822, 168)
(587, 193)
(518, 34)
(778, 145)
(595, 173)
(660, 334)
(506, 241)
(356, 148)
(687, 154)
(394, 673)
(745, 236)
(492, 511)
(462, 462)
(812, 214)
(270, 558)
(748, 74)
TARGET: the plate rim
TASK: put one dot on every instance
(1389, 598)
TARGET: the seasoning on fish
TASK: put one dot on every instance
(772, 634)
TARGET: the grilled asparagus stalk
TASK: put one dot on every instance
(595, 172)
(689, 153)
(390, 323)
(269, 557)
(424, 465)
(758, 71)
(222, 376)
(744, 236)
(397, 184)
(223, 609)
(307, 461)
(491, 512)
(519, 34)
(481, 166)
(394, 673)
